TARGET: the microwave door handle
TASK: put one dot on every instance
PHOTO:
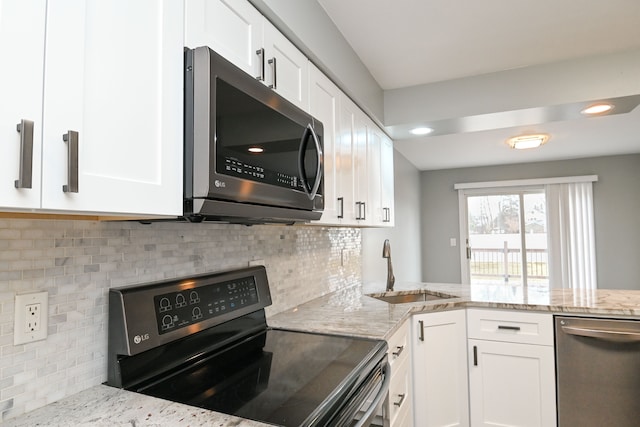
(309, 132)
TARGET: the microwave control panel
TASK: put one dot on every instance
(238, 168)
(176, 310)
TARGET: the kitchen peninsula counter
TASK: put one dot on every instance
(353, 312)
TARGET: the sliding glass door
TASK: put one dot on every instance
(506, 238)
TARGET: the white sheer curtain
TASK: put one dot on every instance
(572, 260)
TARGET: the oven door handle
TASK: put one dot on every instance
(377, 401)
(309, 133)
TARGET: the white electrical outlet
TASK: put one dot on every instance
(31, 314)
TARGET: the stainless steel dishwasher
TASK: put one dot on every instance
(598, 372)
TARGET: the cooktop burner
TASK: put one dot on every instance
(278, 376)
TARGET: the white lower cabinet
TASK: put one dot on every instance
(511, 369)
(399, 403)
(439, 351)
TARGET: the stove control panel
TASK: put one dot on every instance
(180, 309)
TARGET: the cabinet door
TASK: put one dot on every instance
(324, 98)
(387, 182)
(232, 28)
(361, 181)
(511, 384)
(440, 369)
(374, 145)
(113, 74)
(287, 69)
(346, 144)
(22, 25)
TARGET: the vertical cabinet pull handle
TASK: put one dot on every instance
(25, 175)
(362, 210)
(72, 139)
(274, 80)
(386, 217)
(341, 202)
(260, 53)
(399, 402)
(398, 351)
(421, 334)
(475, 355)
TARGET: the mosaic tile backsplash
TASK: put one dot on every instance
(78, 261)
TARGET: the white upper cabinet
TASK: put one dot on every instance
(22, 25)
(232, 28)
(103, 89)
(238, 32)
(387, 193)
(287, 70)
(113, 84)
(324, 98)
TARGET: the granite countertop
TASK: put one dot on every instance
(347, 312)
(353, 312)
(104, 406)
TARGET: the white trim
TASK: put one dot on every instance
(526, 182)
(465, 274)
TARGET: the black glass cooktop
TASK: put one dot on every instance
(277, 376)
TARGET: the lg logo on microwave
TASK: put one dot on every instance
(139, 338)
(219, 184)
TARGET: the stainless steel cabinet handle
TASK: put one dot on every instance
(421, 334)
(475, 355)
(620, 336)
(399, 350)
(72, 138)
(25, 175)
(509, 328)
(341, 202)
(274, 80)
(399, 402)
(260, 53)
(387, 215)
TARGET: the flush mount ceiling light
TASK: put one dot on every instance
(527, 141)
(255, 149)
(421, 131)
(597, 109)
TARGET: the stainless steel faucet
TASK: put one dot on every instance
(386, 253)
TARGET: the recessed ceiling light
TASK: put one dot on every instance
(527, 141)
(255, 149)
(597, 109)
(421, 131)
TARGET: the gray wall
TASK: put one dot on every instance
(616, 209)
(307, 25)
(404, 237)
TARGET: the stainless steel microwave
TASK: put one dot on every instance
(251, 156)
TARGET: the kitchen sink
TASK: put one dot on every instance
(420, 296)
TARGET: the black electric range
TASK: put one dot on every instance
(204, 341)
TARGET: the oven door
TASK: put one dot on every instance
(365, 408)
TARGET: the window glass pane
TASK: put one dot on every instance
(494, 237)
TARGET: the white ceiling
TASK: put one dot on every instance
(405, 43)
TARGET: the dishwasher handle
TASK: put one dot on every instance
(619, 335)
(377, 401)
